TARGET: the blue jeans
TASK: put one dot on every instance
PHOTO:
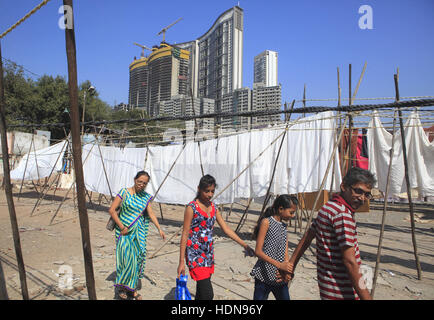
(262, 290)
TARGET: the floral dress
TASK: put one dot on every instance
(200, 248)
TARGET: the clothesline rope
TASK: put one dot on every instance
(304, 110)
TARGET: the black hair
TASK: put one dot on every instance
(142, 173)
(359, 175)
(205, 182)
(284, 200)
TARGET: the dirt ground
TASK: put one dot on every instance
(50, 250)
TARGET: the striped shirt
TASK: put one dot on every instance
(335, 228)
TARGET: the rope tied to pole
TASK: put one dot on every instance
(34, 10)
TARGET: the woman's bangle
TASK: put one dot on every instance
(123, 228)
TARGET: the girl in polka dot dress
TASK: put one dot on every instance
(197, 246)
(272, 249)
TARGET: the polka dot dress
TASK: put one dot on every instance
(274, 247)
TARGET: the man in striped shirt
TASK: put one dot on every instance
(338, 256)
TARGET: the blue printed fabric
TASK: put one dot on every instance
(182, 292)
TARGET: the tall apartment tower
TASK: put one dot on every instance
(216, 58)
(158, 77)
(266, 99)
(265, 69)
(237, 101)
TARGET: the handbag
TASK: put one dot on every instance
(111, 223)
(182, 292)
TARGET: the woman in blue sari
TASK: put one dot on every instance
(131, 231)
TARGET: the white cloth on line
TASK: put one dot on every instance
(302, 163)
(420, 156)
(40, 163)
(121, 165)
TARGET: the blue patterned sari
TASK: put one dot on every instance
(131, 248)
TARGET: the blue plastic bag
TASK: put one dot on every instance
(182, 292)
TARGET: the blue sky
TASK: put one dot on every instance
(312, 38)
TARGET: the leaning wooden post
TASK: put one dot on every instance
(45, 189)
(25, 169)
(325, 176)
(244, 216)
(70, 188)
(76, 147)
(277, 159)
(383, 219)
(103, 167)
(407, 181)
(8, 188)
(350, 127)
(3, 290)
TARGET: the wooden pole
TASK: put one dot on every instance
(3, 289)
(161, 211)
(325, 176)
(76, 147)
(36, 159)
(105, 172)
(25, 169)
(277, 159)
(407, 182)
(350, 126)
(244, 216)
(45, 190)
(70, 188)
(383, 219)
(8, 188)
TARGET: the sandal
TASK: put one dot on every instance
(137, 296)
(123, 295)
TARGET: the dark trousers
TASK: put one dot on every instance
(262, 290)
(204, 290)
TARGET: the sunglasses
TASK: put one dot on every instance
(360, 192)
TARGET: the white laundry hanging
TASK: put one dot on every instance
(302, 163)
(420, 156)
(40, 163)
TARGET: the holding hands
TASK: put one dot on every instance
(285, 272)
(249, 252)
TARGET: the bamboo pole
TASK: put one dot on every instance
(221, 190)
(3, 289)
(36, 159)
(383, 219)
(105, 172)
(407, 182)
(45, 190)
(325, 175)
(350, 126)
(25, 169)
(8, 188)
(277, 159)
(244, 216)
(70, 188)
(76, 147)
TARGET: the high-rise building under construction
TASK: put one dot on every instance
(158, 77)
(208, 67)
(216, 58)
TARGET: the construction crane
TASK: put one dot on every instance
(163, 31)
(143, 48)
